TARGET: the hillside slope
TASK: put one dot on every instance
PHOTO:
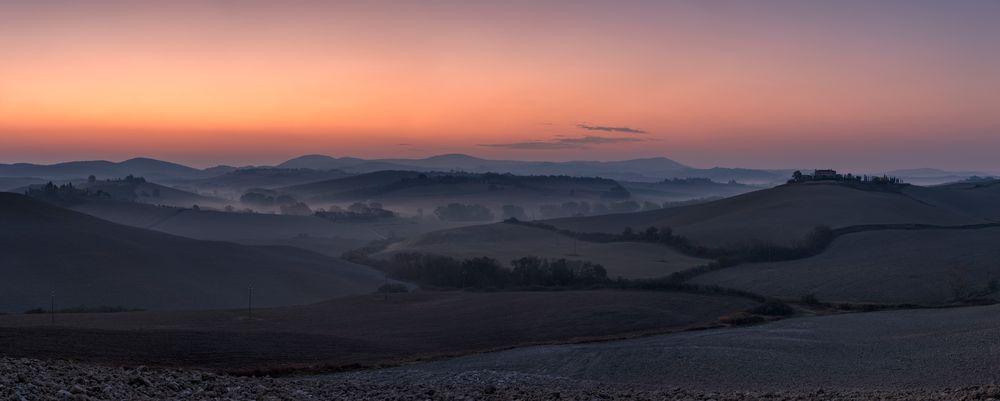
(409, 186)
(927, 267)
(362, 330)
(142, 191)
(787, 213)
(153, 169)
(264, 177)
(90, 262)
(906, 349)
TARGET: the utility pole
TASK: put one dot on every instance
(52, 306)
(250, 302)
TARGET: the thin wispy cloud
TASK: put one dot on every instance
(562, 143)
(626, 130)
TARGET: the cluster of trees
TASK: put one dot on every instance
(296, 209)
(129, 179)
(266, 198)
(616, 192)
(757, 251)
(581, 208)
(692, 181)
(584, 208)
(65, 194)
(463, 212)
(513, 212)
(535, 271)
(978, 179)
(445, 272)
(483, 272)
(356, 212)
(797, 177)
(270, 199)
(231, 209)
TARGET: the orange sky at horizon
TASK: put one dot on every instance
(711, 83)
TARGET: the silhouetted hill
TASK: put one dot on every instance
(128, 189)
(140, 190)
(320, 162)
(410, 185)
(331, 189)
(91, 262)
(17, 184)
(933, 176)
(648, 169)
(680, 189)
(927, 267)
(152, 169)
(642, 170)
(242, 179)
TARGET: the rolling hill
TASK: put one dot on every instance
(506, 242)
(408, 191)
(350, 188)
(978, 198)
(684, 189)
(152, 169)
(307, 232)
(928, 267)
(786, 214)
(406, 185)
(17, 184)
(933, 176)
(90, 262)
(240, 180)
(643, 170)
(142, 191)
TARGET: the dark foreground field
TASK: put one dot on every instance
(360, 331)
(894, 351)
(26, 379)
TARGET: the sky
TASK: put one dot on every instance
(849, 84)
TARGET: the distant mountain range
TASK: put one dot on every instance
(933, 176)
(643, 170)
(637, 170)
(152, 169)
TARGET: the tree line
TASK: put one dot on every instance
(438, 271)
(756, 251)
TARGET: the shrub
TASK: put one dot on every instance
(773, 307)
(810, 299)
(513, 212)
(741, 319)
(462, 212)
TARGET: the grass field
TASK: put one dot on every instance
(362, 330)
(786, 214)
(506, 242)
(895, 266)
(217, 225)
(892, 350)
